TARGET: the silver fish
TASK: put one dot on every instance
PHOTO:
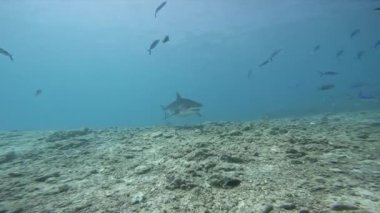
(159, 8)
(38, 92)
(264, 63)
(6, 53)
(339, 53)
(354, 33)
(166, 39)
(377, 44)
(153, 45)
(360, 55)
(324, 87)
(274, 54)
(316, 48)
(328, 73)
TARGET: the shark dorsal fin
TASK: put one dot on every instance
(178, 96)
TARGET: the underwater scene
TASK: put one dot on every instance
(246, 106)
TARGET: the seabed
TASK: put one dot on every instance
(322, 163)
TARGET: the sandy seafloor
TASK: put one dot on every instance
(323, 163)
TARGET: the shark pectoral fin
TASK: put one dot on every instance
(166, 115)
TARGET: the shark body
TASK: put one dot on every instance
(182, 107)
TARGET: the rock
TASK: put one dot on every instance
(200, 154)
(8, 157)
(225, 182)
(167, 136)
(15, 174)
(18, 210)
(311, 159)
(94, 171)
(268, 208)
(296, 162)
(137, 198)
(142, 169)
(129, 156)
(235, 133)
(179, 182)
(64, 135)
(156, 134)
(231, 159)
(288, 206)
(226, 168)
(293, 153)
(247, 127)
(337, 170)
(45, 177)
(73, 144)
(343, 207)
(81, 207)
(363, 135)
(304, 210)
(63, 188)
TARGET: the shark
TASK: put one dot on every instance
(182, 107)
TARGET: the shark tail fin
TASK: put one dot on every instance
(320, 73)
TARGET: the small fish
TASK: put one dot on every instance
(153, 45)
(166, 39)
(326, 87)
(264, 63)
(354, 33)
(358, 85)
(328, 73)
(339, 53)
(367, 96)
(274, 54)
(159, 8)
(6, 53)
(360, 55)
(38, 92)
(377, 44)
(316, 48)
(377, 8)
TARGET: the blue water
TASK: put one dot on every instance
(90, 60)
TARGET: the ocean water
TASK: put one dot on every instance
(282, 98)
(90, 60)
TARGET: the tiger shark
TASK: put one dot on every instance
(182, 107)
